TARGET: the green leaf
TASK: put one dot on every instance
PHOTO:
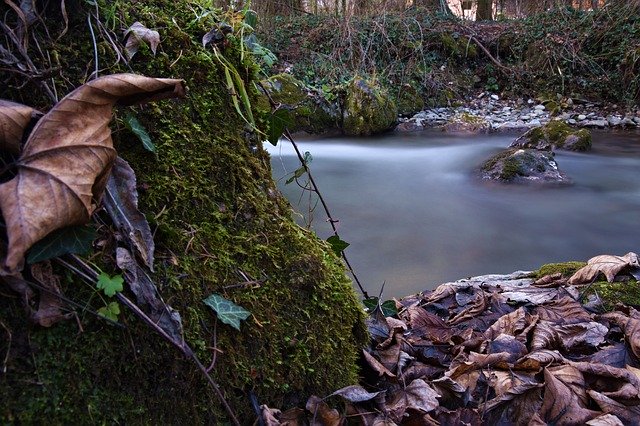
(138, 129)
(278, 121)
(73, 239)
(251, 18)
(111, 311)
(228, 312)
(299, 172)
(337, 245)
(110, 285)
(388, 306)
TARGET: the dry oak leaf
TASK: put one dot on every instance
(609, 265)
(65, 163)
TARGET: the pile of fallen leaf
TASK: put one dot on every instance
(497, 349)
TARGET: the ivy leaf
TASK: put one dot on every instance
(111, 311)
(388, 306)
(337, 245)
(278, 121)
(134, 125)
(228, 312)
(251, 18)
(73, 239)
(300, 171)
(110, 285)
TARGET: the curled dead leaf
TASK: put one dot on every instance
(323, 415)
(14, 119)
(63, 168)
(137, 34)
(608, 265)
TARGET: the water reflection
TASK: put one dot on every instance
(416, 216)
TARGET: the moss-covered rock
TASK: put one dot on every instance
(367, 109)
(310, 111)
(555, 134)
(523, 165)
(409, 100)
(466, 123)
(217, 218)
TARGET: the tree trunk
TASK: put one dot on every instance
(485, 10)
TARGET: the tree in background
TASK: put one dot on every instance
(484, 12)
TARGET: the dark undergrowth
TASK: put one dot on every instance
(589, 55)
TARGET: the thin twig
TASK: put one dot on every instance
(3, 370)
(315, 189)
(95, 47)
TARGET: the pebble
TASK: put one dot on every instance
(503, 114)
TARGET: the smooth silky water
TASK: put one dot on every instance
(416, 215)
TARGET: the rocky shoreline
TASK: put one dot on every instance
(489, 113)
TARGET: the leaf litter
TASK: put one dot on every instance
(498, 349)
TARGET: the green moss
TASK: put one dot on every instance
(217, 214)
(556, 132)
(611, 294)
(367, 109)
(409, 100)
(310, 112)
(565, 268)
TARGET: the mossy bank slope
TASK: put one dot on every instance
(217, 215)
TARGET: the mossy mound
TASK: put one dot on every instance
(555, 134)
(565, 268)
(466, 123)
(409, 100)
(218, 219)
(310, 111)
(367, 109)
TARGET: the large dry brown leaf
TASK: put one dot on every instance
(565, 310)
(548, 335)
(431, 326)
(50, 309)
(517, 406)
(14, 119)
(418, 396)
(606, 264)
(323, 415)
(629, 415)
(513, 324)
(561, 405)
(630, 327)
(65, 163)
(605, 420)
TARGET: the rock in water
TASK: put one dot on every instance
(523, 165)
(555, 135)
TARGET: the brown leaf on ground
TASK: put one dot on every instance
(518, 405)
(630, 327)
(429, 325)
(548, 335)
(605, 420)
(538, 359)
(513, 324)
(270, 416)
(50, 306)
(322, 414)
(475, 307)
(137, 34)
(418, 396)
(553, 280)
(293, 417)
(561, 405)
(14, 119)
(565, 310)
(377, 365)
(63, 168)
(356, 393)
(621, 384)
(608, 265)
(628, 415)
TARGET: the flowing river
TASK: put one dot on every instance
(416, 216)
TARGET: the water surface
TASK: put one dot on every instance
(416, 215)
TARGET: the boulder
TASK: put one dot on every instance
(523, 165)
(310, 111)
(367, 109)
(554, 135)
